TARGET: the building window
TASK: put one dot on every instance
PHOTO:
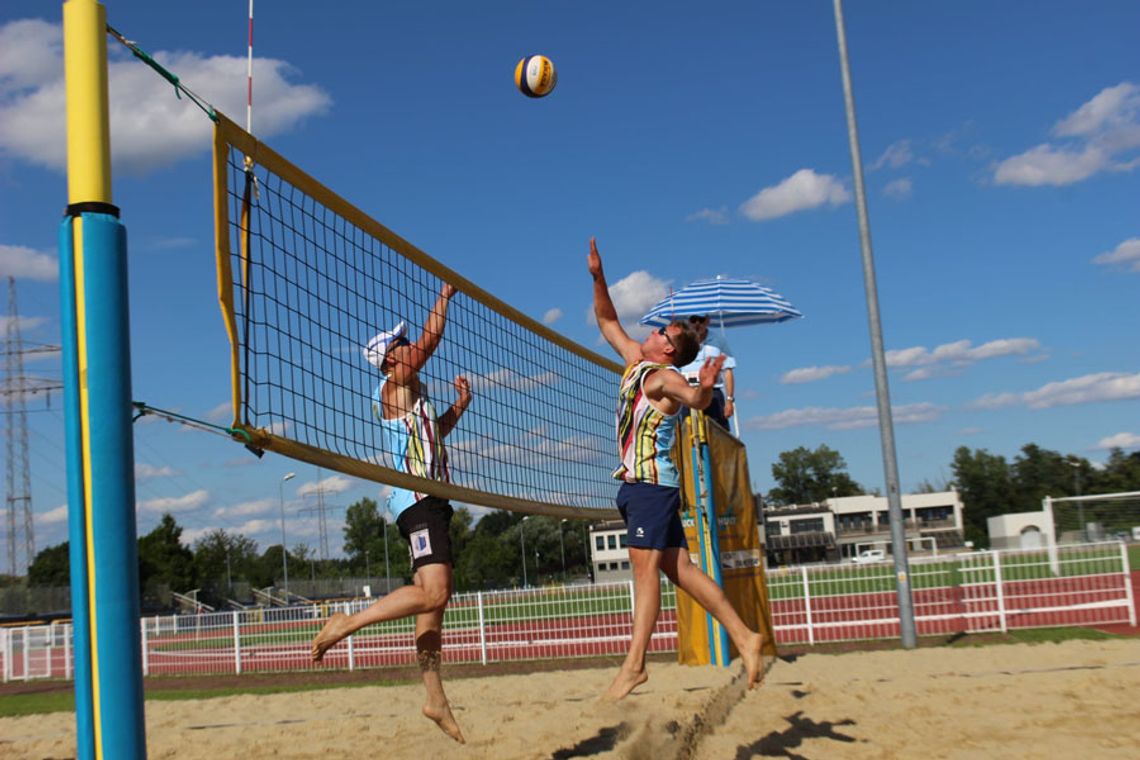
(624, 565)
(600, 542)
(622, 540)
(613, 541)
(814, 524)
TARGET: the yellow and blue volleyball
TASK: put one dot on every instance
(535, 76)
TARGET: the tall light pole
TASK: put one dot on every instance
(1080, 505)
(387, 571)
(522, 547)
(562, 546)
(878, 355)
(586, 551)
(284, 551)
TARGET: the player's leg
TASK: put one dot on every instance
(647, 606)
(678, 568)
(436, 580)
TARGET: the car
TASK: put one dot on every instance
(868, 556)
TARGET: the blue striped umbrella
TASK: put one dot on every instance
(728, 301)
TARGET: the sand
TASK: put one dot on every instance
(1074, 699)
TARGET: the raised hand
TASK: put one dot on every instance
(462, 390)
(448, 290)
(710, 370)
(594, 260)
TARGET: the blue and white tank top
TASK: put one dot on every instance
(415, 445)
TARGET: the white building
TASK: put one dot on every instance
(1020, 530)
(609, 555)
(840, 528)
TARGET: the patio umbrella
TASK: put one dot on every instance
(730, 302)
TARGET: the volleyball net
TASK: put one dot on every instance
(305, 280)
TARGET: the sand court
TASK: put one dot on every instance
(1071, 699)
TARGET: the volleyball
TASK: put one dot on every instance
(535, 76)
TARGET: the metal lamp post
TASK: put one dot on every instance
(522, 547)
(562, 547)
(387, 571)
(284, 551)
(1080, 504)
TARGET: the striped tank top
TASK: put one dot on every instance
(414, 443)
(645, 435)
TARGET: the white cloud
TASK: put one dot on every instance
(802, 191)
(52, 516)
(1101, 135)
(223, 412)
(150, 127)
(633, 296)
(961, 353)
(899, 189)
(897, 155)
(246, 508)
(143, 471)
(551, 316)
(1087, 389)
(27, 263)
(812, 374)
(25, 323)
(186, 503)
(1127, 253)
(710, 215)
(508, 378)
(844, 419)
(1119, 441)
(334, 484)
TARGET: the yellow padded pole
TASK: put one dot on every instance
(88, 121)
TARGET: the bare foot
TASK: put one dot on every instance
(625, 682)
(445, 720)
(334, 630)
(753, 660)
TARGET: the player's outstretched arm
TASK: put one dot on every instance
(429, 338)
(675, 386)
(451, 417)
(606, 314)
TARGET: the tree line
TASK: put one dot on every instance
(988, 484)
(488, 553)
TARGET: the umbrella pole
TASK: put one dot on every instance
(735, 412)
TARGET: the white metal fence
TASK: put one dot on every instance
(982, 591)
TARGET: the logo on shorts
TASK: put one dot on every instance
(421, 544)
(640, 532)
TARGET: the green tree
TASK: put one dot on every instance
(805, 477)
(986, 486)
(164, 560)
(51, 567)
(222, 558)
(362, 526)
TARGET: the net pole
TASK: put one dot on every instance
(95, 333)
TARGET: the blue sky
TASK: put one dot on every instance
(1001, 144)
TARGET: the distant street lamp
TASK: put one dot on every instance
(284, 551)
(562, 546)
(522, 547)
(387, 572)
(1080, 504)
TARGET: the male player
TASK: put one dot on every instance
(650, 399)
(414, 435)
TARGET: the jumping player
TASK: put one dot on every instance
(414, 436)
(650, 398)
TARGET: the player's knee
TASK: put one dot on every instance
(437, 596)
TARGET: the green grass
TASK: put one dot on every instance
(1040, 636)
(64, 701)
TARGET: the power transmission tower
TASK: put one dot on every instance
(322, 510)
(16, 389)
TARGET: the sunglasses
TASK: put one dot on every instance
(400, 342)
(661, 331)
(695, 320)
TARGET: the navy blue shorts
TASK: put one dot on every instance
(652, 516)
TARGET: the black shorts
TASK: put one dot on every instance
(427, 527)
(652, 516)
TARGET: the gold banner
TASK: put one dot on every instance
(741, 554)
